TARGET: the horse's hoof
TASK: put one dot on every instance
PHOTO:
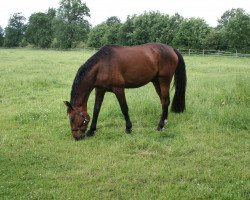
(128, 131)
(159, 128)
(89, 133)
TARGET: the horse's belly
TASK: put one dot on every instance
(138, 79)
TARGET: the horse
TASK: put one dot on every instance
(114, 68)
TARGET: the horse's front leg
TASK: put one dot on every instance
(99, 95)
(120, 95)
(165, 100)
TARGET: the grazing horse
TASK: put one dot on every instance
(114, 68)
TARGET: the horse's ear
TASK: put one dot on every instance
(69, 106)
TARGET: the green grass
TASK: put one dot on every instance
(202, 154)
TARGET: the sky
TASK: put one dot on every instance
(100, 10)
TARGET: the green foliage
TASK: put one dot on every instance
(67, 27)
(125, 34)
(39, 30)
(201, 154)
(1, 36)
(14, 32)
(113, 20)
(147, 27)
(71, 25)
(155, 27)
(112, 34)
(105, 33)
(96, 35)
(170, 28)
(174, 30)
(223, 21)
(234, 28)
(51, 13)
(191, 33)
(23, 43)
(237, 31)
(54, 44)
(72, 11)
(80, 45)
(216, 39)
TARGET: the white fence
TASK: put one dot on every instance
(190, 52)
(205, 52)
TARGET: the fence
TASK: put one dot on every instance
(205, 52)
(190, 52)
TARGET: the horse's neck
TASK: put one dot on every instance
(84, 90)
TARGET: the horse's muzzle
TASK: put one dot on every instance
(80, 137)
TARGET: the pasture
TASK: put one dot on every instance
(201, 154)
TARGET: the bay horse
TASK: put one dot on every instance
(114, 68)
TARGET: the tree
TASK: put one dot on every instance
(125, 34)
(237, 31)
(1, 36)
(223, 21)
(71, 25)
(14, 32)
(172, 28)
(149, 27)
(111, 35)
(113, 20)
(216, 40)
(51, 13)
(191, 34)
(105, 33)
(39, 30)
(96, 35)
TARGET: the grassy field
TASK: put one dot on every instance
(202, 154)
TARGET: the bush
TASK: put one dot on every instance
(23, 43)
(79, 45)
(55, 44)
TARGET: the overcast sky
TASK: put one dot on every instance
(100, 10)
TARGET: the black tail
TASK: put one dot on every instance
(180, 81)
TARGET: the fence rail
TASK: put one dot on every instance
(190, 52)
(205, 52)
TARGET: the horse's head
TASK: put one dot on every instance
(78, 121)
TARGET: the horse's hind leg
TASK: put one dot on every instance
(99, 95)
(164, 87)
(120, 95)
(157, 87)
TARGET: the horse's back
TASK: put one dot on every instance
(136, 65)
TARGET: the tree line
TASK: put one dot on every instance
(67, 27)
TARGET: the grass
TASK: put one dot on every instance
(202, 154)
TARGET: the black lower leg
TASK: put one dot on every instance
(164, 115)
(119, 92)
(92, 129)
(127, 119)
(97, 108)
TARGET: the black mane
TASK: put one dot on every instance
(104, 53)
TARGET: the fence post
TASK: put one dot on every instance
(189, 51)
(236, 53)
(203, 52)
